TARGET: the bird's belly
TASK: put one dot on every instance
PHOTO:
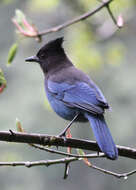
(60, 108)
(64, 111)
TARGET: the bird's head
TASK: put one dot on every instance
(50, 55)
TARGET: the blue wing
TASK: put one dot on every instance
(79, 95)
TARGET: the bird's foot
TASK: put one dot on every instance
(62, 134)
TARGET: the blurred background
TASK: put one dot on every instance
(96, 46)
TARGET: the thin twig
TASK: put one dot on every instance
(66, 172)
(67, 154)
(73, 21)
(29, 164)
(66, 160)
(123, 175)
(111, 15)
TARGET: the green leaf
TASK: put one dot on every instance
(80, 152)
(12, 53)
(2, 78)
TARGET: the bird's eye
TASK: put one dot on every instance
(42, 55)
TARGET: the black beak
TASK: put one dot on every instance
(32, 59)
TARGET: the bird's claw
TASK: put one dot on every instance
(63, 134)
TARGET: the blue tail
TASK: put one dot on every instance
(103, 136)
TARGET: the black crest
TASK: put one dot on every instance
(52, 46)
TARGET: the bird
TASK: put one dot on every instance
(73, 95)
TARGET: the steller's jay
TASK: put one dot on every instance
(73, 95)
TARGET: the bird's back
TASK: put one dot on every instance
(71, 75)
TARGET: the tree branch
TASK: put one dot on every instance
(73, 21)
(43, 139)
(118, 175)
(67, 154)
(67, 161)
(29, 164)
(65, 142)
